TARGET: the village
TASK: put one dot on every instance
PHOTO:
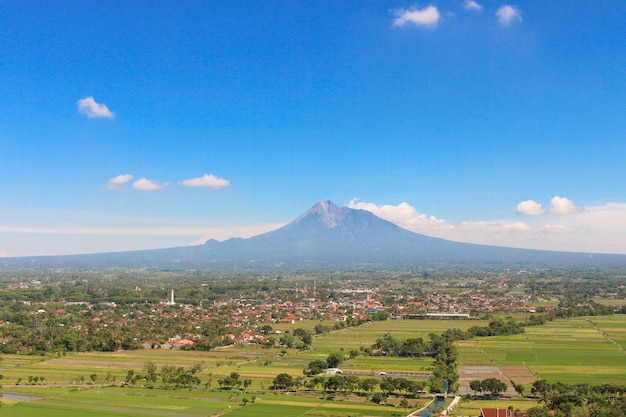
(172, 324)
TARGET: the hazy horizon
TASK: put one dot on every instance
(132, 126)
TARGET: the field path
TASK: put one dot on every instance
(606, 336)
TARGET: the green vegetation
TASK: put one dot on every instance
(109, 344)
(576, 350)
(493, 386)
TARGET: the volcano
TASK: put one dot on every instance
(328, 236)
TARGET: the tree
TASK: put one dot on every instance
(299, 332)
(368, 384)
(334, 360)
(234, 376)
(130, 377)
(494, 386)
(287, 340)
(404, 403)
(315, 367)
(412, 347)
(476, 386)
(415, 387)
(544, 390)
(186, 379)
(282, 381)
(266, 329)
(320, 329)
(315, 382)
(389, 385)
(538, 412)
(150, 370)
(387, 344)
(307, 339)
(335, 383)
(351, 382)
(436, 384)
(230, 381)
(169, 374)
(379, 397)
(246, 384)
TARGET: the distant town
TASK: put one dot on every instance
(174, 310)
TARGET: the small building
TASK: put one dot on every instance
(333, 371)
(501, 412)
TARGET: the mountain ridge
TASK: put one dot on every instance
(326, 236)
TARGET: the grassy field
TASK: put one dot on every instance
(367, 334)
(134, 402)
(77, 368)
(375, 364)
(575, 350)
(616, 302)
(121, 402)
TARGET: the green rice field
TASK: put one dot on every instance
(574, 350)
(577, 350)
(133, 402)
(367, 334)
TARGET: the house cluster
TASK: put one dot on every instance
(470, 301)
(172, 325)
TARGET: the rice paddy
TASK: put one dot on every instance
(586, 349)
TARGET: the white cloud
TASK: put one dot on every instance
(144, 184)
(493, 227)
(530, 207)
(92, 109)
(115, 182)
(206, 181)
(563, 206)
(563, 227)
(404, 215)
(472, 5)
(428, 16)
(508, 14)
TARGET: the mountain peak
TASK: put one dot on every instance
(325, 212)
(324, 206)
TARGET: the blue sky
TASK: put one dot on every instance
(143, 124)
